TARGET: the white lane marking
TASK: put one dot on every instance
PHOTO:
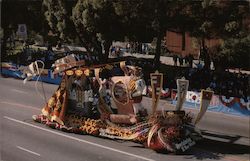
(19, 91)
(77, 139)
(20, 105)
(29, 151)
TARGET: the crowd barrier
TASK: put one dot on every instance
(228, 105)
(11, 70)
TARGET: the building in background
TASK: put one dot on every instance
(183, 44)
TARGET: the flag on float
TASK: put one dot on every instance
(206, 97)
(182, 87)
(156, 84)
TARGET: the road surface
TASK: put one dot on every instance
(21, 139)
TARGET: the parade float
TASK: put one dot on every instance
(94, 100)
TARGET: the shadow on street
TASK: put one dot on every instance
(216, 149)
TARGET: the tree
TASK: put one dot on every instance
(233, 52)
(146, 19)
(136, 19)
(155, 17)
(99, 24)
(55, 14)
(216, 19)
(20, 12)
(93, 22)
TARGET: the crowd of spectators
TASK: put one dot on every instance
(183, 60)
(222, 83)
(229, 84)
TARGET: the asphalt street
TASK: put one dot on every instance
(21, 139)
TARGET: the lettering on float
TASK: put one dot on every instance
(185, 144)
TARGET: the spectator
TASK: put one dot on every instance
(175, 57)
(128, 47)
(190, 60)
(118, 52)
(181, 61)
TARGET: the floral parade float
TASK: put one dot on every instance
(94, 100)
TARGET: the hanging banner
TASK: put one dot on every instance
(182, 87)
(206, 97)
(156, 83)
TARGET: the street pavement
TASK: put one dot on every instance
(21, 139)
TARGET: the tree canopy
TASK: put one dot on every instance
(94, 24)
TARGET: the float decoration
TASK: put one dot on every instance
(81, 105)
(206, 97)
(156, 83)
(182, 88)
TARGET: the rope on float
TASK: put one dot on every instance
(39, 75)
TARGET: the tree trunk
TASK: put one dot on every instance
(207, 60)
(3, 51)
(107, 45)
(83, 41)
(4, 45)
(98, 49)
(158, 50)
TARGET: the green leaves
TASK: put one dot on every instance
(207, 3)
(231, 26)
(234, 52)
(55, 15)
(103, 21)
